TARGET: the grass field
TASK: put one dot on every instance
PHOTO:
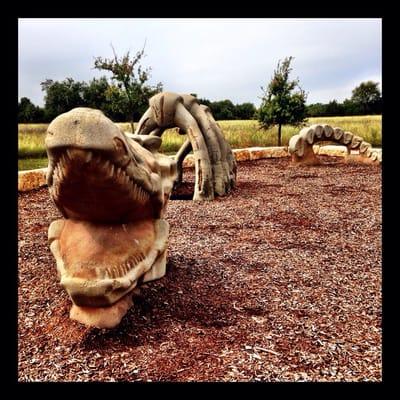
(241, 133)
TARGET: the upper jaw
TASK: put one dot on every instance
(80, 155)
(77, 175)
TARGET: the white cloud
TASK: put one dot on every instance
(215, 58)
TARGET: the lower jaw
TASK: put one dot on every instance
(110, 316)
(102, 317)
(91, 305)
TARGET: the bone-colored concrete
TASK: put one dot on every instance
(214, 163)
(102, 317)
(113, 194)
(331, 150)
(301, 146)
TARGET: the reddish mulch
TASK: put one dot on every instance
(280, 281)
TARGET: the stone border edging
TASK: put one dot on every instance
(31, 179)
(35, 178)
(249, 153)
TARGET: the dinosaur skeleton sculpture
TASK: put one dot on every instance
(215, 165)
(301, 145)
(112, 191)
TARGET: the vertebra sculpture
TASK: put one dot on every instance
(112, 191)
(215, 165)
(301, 145)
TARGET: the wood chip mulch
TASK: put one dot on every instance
(279, 281)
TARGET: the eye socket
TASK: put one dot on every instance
(120, 146)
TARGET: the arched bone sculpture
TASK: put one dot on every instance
(301, 145)
(215, 165)
(112, 191)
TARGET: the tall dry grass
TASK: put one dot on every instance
(245, 133)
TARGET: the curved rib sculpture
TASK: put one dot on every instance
(215, 165)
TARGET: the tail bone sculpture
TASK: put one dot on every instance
(112, 191)
(215, 165)
(301, 145)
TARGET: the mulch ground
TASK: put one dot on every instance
(279, 281)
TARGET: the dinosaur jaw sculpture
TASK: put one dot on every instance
(112, 191)
(301, 145)
(100, 264)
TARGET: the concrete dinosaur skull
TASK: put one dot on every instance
(215, 165)
(112, 191)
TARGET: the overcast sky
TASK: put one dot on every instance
(215, 58)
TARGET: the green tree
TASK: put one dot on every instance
(131, 78)
(95, 93)
(28, 112)
(205, 102)
(62, 96)
(245, 111)
(334, 109)
(225, 109)
(109, 98)
(351, 108)
(316, 110)
(117, 105)
(368, 96)
(281, 105)
(222, 110)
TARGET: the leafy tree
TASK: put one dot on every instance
(95, 93)
(206, 102)
(316, 110)
(333, 108)
(109, 98)
(62, 96)
(366, 99)
(28, 112)
(280, 104)
(148, 91)
(117, 106)
(223, 109)
(245, 111)
(131, 78)
(351, 108)
(368, 96)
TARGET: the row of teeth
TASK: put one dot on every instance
(122, 269)
(308, 135)
(118, 174)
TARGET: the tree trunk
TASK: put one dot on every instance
(279, 134)
(131, 106)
